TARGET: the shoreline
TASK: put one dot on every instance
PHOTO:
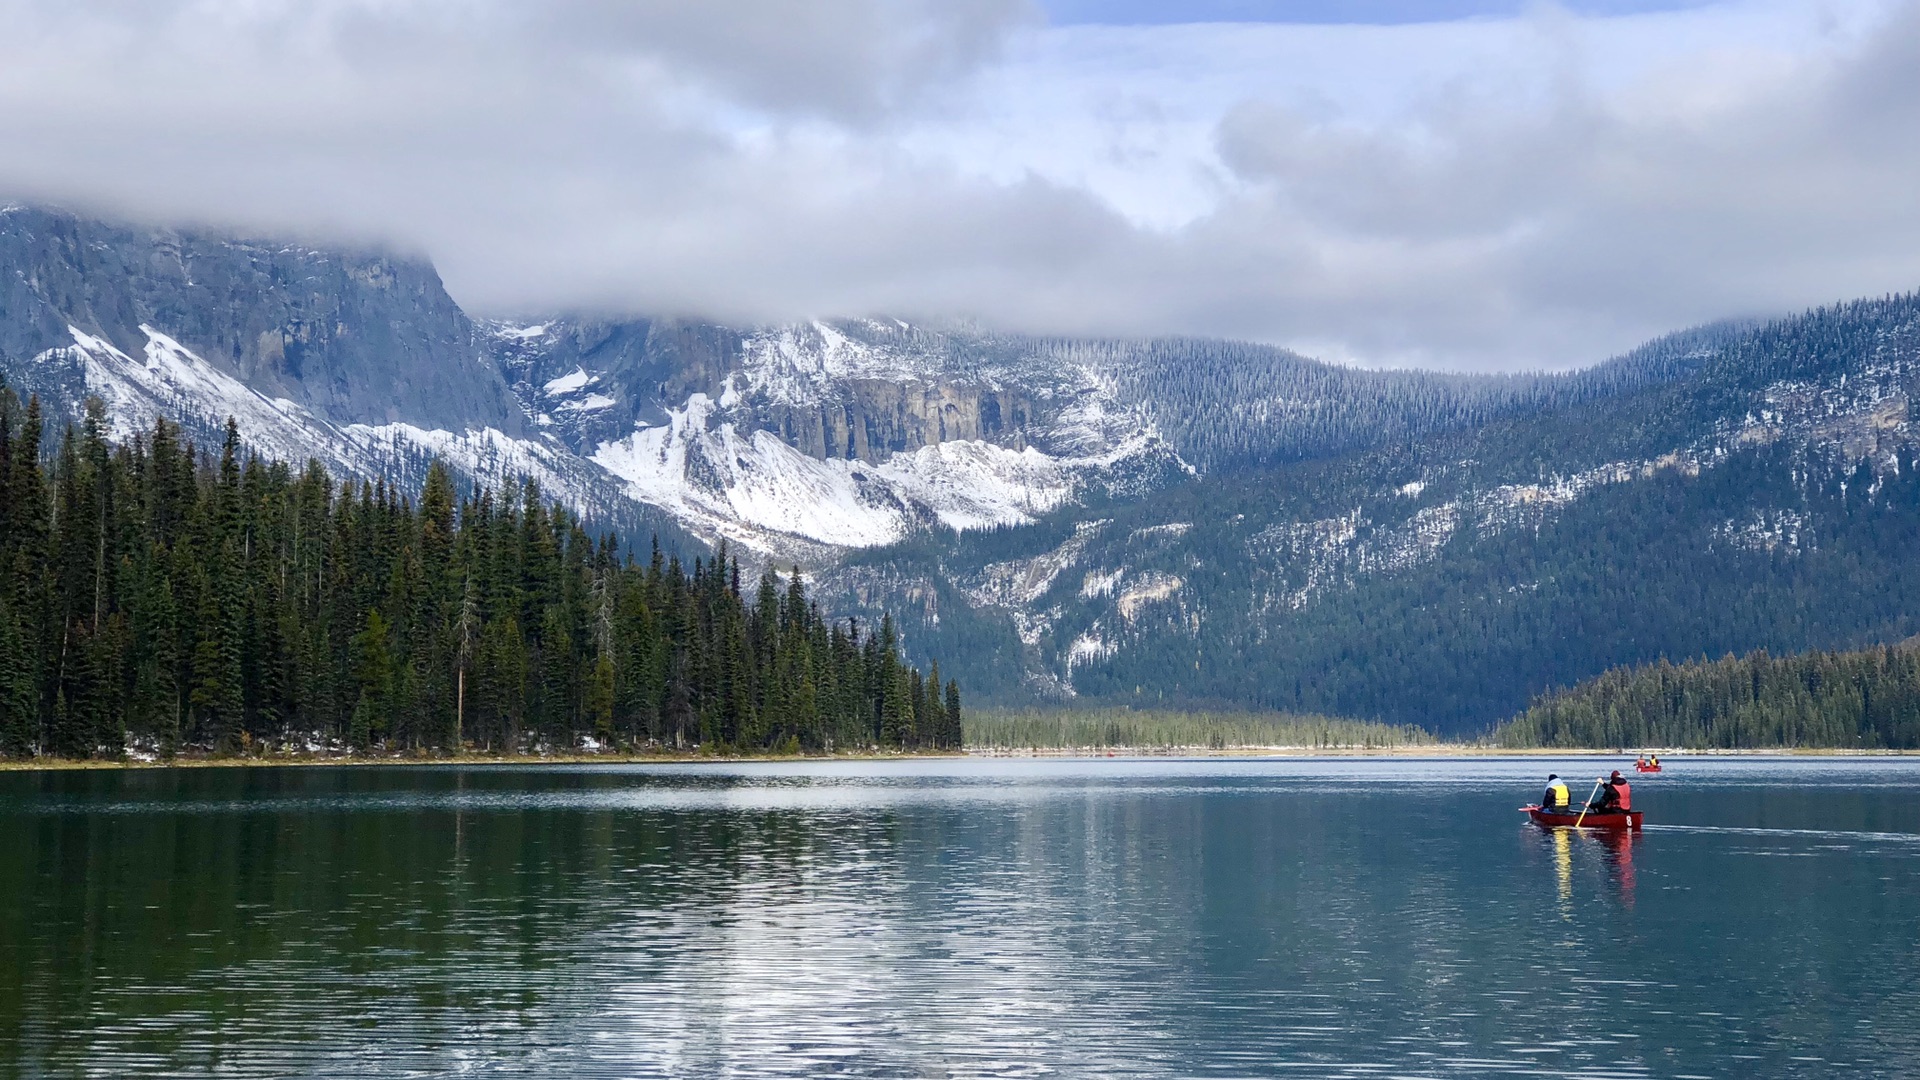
(1436, 750)
(479, 760)
(278, 761)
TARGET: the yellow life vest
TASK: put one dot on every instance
(1557, 796)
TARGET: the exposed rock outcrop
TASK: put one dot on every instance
(355, 337)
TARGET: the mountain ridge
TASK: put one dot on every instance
(1384, 584)
(1076, 518)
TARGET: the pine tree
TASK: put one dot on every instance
(599, 699)
(896, 710)
(19, 705)
(216, 696)
(467, 635)
(155, 706)
(373, 675)
(956, 732)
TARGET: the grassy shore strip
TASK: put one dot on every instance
(1101, 729)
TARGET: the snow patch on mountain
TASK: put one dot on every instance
(799, 364)
(489, 456)
(590, 403)
(1768, 530)
(1089, 648)
(1170, 531)
(1101, 582)
(760, 451)
(746, 484)
(977, 485)
(1017, 583)
(721, 478)
(172, 380)
(577, 379)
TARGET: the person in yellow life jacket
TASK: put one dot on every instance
(1556, 797)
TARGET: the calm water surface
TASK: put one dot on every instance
(1340, 918)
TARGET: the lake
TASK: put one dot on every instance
(956, 918)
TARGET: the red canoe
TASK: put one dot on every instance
(1646, 768)
(1556, 819)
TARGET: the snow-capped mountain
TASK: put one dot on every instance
(1199, 521)
(172, 381)
(806, 439)
(361, 361)
(797, 442)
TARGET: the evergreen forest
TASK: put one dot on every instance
(1865, 699)
(159, 599)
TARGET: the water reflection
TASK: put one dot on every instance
(1563, 868)
(1618, 845)
(1117, 919)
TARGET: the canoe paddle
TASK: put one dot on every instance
(1589, 806)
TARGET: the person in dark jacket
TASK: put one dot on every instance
(1615, 796)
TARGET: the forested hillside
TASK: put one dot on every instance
(1868, 699)
(161, 599)
(1228, 406)
(1761, 493)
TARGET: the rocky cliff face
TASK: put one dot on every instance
(866, 390)
(351, 337)
(586, 380)
(870, 420)
(853, 390)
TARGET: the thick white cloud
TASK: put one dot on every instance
(1539, 191)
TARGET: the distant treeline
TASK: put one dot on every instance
(1144, 729)
(1868, 699)
(158, 597)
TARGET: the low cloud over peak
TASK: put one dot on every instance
(1521, 192)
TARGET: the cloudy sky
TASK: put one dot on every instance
(1474, 184)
